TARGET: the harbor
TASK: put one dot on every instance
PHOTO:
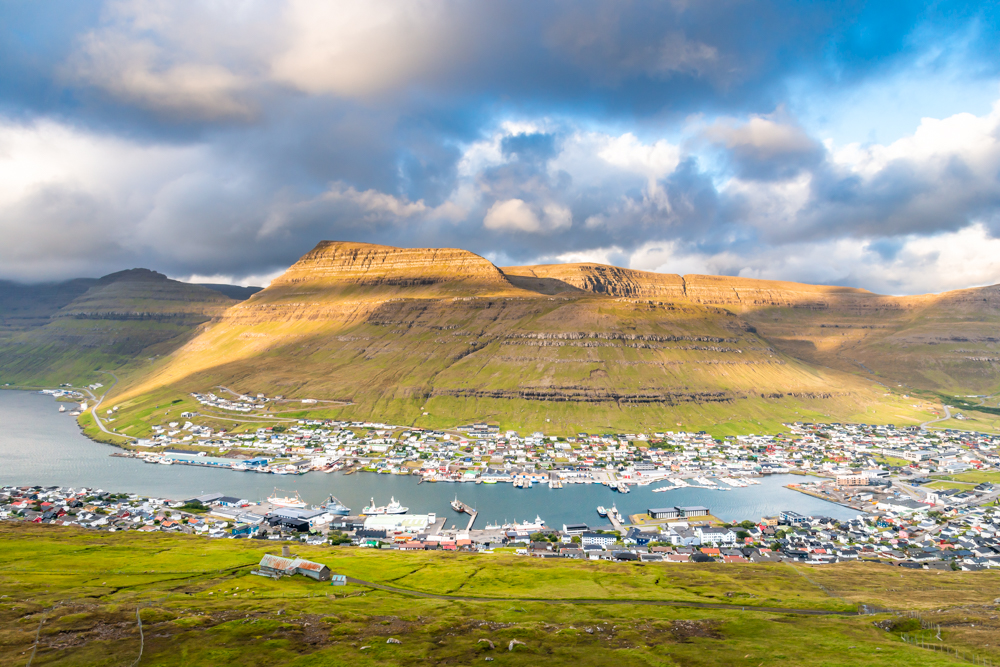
(44, 447)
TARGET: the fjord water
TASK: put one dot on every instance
(40, 446)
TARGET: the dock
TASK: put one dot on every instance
(616, 523)
(462, 507)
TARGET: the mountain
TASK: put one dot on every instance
(87, 325)
(397, 333)
(436, 337)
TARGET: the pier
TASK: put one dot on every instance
(616, 522)
(459, 506)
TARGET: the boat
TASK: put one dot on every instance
(538, 524)
(392, 508)
(166, 462)
(287, 501)
(395, 508)
(601, 511)
(62, 408)
(240, 467)
(614, 513)
(334, 506)
(457, 506)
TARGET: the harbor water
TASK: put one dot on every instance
(40, 446)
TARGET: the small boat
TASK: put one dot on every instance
(287, 501)
(166, 462)
(457, 506)
(240, 467)
(62, 408)
(601, 511)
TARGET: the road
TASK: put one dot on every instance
(650, 603)
(947, 415)
(93, 410)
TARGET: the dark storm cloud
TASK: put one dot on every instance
(388, 122)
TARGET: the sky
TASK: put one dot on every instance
(845, 143)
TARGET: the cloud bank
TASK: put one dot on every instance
(226, 139)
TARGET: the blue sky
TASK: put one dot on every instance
(846, 143)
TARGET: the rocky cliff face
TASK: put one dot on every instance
(363, 264)
(596, 278)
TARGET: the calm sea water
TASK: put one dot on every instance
(40, 446)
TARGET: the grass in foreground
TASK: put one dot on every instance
(79, 590)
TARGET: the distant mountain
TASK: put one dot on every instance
(83, 326)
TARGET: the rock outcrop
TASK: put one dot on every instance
(362, 264)
(596, 278)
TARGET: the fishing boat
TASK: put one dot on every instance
(293, 502)
(614, 513)
(240, 467)
(601, 511)
(334, 506)
(392, 508)
(538, 524)
(455, 505)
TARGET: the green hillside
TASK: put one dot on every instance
(78, 593)
(121, 321)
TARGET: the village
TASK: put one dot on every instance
(842, 458)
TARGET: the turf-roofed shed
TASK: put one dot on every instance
(277, 566)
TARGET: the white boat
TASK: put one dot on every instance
(601, 510)
(62, 408)
(395, 508)
(538, 524)
(287, 501)
(455, 505)
(240, 467)
(392, 508)
(166, 462)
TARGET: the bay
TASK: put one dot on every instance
(40, 446)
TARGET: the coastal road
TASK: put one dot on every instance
(650, 603)
(93, 410)
(947, 415)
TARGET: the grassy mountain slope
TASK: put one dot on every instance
(121, 320)
(400, 333)
(939, 342)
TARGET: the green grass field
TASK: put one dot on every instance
(78, 592)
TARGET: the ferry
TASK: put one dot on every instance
(392, 508)
(601, 511)
(287, 501)
(334, 506)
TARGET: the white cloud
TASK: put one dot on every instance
(517, 215)
(360, 47)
